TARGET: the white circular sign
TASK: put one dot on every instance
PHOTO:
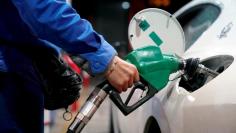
(154, 26)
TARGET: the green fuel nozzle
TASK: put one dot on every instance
(155, 69)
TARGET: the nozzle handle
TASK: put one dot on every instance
(124, 108)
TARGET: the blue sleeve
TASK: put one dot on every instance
(58, 23)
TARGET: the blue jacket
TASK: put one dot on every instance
(56, 24)
(49, 23)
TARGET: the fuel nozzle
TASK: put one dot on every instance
(192, 66)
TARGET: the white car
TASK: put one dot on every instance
(203, 105)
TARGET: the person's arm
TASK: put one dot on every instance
(58, 22)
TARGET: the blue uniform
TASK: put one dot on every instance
(49, 23)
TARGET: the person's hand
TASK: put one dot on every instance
(122, 74)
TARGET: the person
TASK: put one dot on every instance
(54, 24)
